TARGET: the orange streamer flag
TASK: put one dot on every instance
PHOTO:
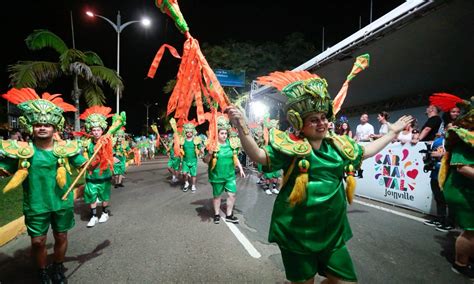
(195, 77)
(211, 117)
(362, 62)
(176, 142)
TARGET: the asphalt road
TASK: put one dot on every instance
(159, 234)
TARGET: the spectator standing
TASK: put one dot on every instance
(382, 117)
(431, 126)
(364, 129)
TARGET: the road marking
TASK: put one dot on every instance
(390, 211)
(241, 238)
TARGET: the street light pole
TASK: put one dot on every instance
(147, 107)
(118, 27)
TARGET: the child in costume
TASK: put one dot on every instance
(190, 150)
(121, 150)
(98, 181)
(271, 179)
(456, 177)
(221, 171)
(309, 221)
(43, 168)
(174, 162)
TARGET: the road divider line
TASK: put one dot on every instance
(241, 238)
(390, 211)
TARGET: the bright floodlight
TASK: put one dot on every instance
(90, 14)
(146, 22)
(258, 109)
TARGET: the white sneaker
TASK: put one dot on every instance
(193, 188)
(267, 191)
(174, 179)
(275, 191)
(186, 184)
(104, 217)
(92, 222)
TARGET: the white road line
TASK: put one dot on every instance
(390, 211)
(241, 238)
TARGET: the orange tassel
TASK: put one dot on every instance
(213, 161)
(298, 194)
(19, 176)
(350, 184)
(444, 169)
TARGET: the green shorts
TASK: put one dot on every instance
(61, 221)
(271, 175)
(174, 163)
(335, 261)
(190, 168)
(97, 190)
(219, 187)
(119, 168)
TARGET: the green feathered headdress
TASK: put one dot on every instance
(223, 123)
(96, 116)
(307, 93)
(35, 110)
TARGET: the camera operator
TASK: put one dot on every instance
(432, 160)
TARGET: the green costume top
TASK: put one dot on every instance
(320, 220)
(95, 174)
(458, 189)
(224, 169)
(41, 192)
(121, 148)
(189, 147)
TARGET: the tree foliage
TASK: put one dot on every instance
(86, 68)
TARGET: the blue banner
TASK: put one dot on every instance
(229, 78)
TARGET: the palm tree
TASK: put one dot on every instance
(86, 68)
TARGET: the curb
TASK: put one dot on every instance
(17, 227)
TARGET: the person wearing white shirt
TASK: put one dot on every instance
(364, 129)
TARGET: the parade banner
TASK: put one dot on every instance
(395, 175)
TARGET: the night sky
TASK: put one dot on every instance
(209, 21)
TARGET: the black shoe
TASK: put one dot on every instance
(232, 219)
(444, 228)
(115, 186)
(120, 185)
(57, 274)
(217, 219)
(467, 270)
(432, 223)
(43, 277)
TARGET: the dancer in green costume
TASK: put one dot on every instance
(98, 181)
(174, 162)
(43, 168)
(271, 179)
(190, 150)
(456, 176)
(309, 221)
(221, 171)
(121, 150)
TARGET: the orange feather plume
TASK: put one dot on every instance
(280, 80)
(105, 111)
(18, 96)
(444, 101)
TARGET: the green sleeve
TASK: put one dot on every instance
(462, 154)
(77, 160)
(8, 165)
(276, 160)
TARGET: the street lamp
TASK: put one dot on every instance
(147, 118)
(119, 27)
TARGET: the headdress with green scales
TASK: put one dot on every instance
(35, 110)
